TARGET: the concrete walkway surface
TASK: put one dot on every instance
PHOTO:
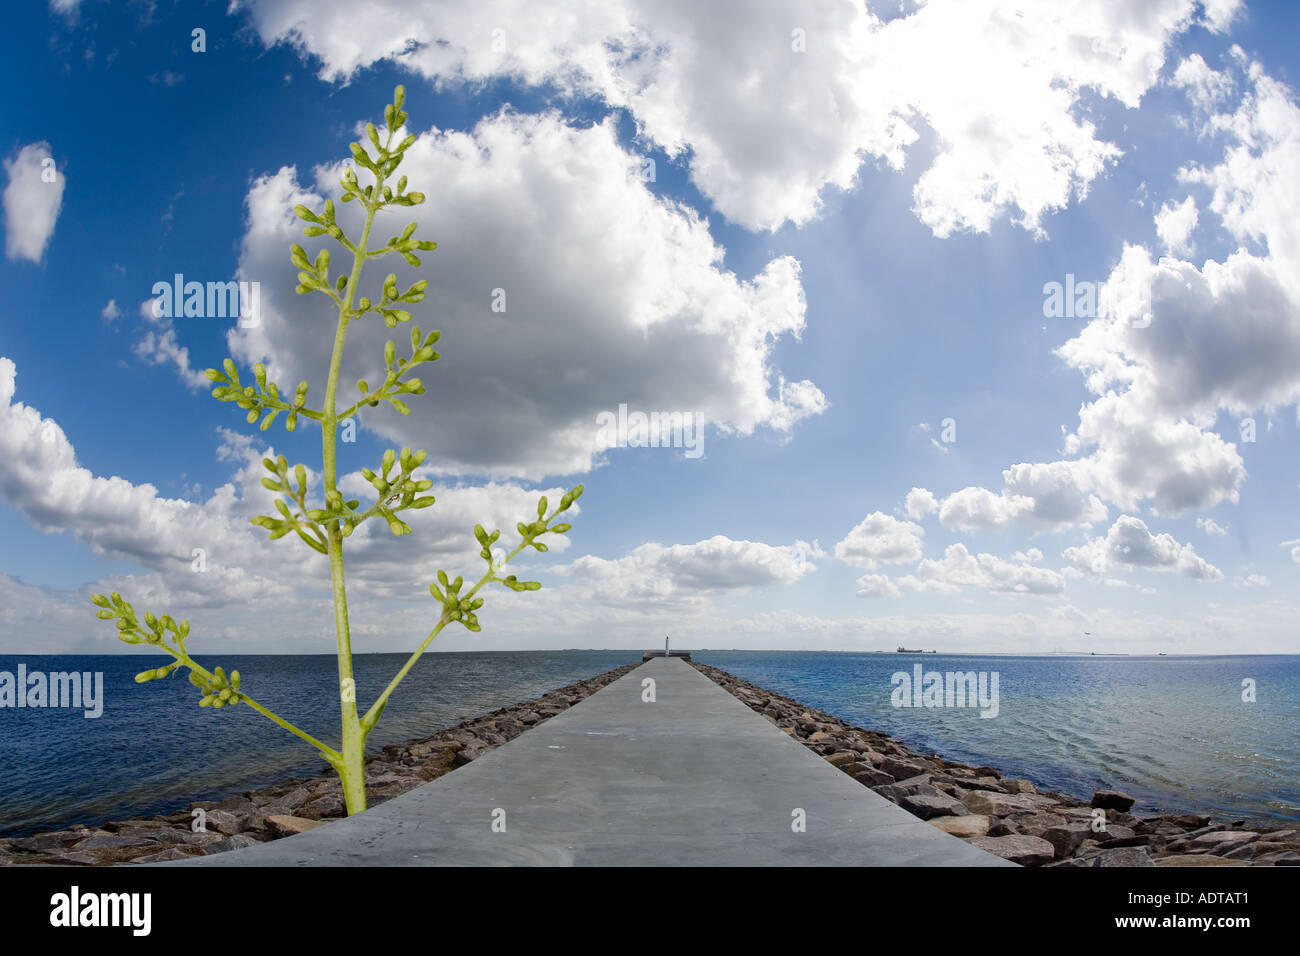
(695, 778)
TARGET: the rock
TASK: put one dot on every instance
(1025, 850)
(1188, 821)
(282, 825)
(48, 841)
(1124, 856)
(937, 804)
(172, 836)
(1002, 827)
(237, 842)
(329, 805)
(1224, 840)
(1112, 800)
(1066, 837)
(237, 805)
(290, 801)
(905, 769)
(1284, 858)
(223, 822)
(1036, 824)
(106, 841)
(1016, 785)
(970, 825)
(994, 804)
(842, 759)
(73, 858)
(171, 853)
(869, 776)
(1203, 859)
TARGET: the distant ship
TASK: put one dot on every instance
(904, 650)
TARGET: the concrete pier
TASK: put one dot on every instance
(692, 778)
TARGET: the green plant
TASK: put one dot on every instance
(324, 528)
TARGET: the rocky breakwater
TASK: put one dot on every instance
(1011, 817)
(296, 805)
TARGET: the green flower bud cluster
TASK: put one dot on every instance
(154, 631)
(263, 397)
(398, 492)
(315, 276)
(534, 530)
(386, 159)
(218, 690)
(456, 608)
(289, 520)
(391, 294)
(421, 351)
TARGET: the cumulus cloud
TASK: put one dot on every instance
(1044, 496)
(110, 312)
(31, 204)
(919, 503)
(1129, 544)
(770, 110)
(1211, 527)
(655, 323)
(1174, 345)
(158, 345)
(877, 586)
(959, 569)
(1251, 582)
(655, 575)
(1175, 224)
(881, 538)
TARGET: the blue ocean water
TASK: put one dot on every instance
(1172, 731)
(154, 749)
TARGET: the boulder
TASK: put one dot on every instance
(171, 853)
(1112, 800)
(1201, 859)
(1016, 785)
(970, 825)
(237, 842)
(869, 776)
(1022, 849)
(283, 825)
(994, 804)
(1124, 856)
(901, 769)
(937, 804)
(1223, 841)
(1066, 837)
(842, 759)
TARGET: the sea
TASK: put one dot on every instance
(1216, 735)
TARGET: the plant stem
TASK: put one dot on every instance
(372, 714)
(352, 771)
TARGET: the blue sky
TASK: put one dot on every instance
(842, 248)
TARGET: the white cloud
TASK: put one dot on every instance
(1211, 527)
(110, 311)
(158, 345)
(655, 323)
(959, 569)
(1175, 224)
(1206, 88)
(31, 205)
(877, 586)
(919, 503)
(655, 575)
(1252, 582)
(881, 538)
(1129, 544)
(1043, 496)
(1295, 549)
(765, 129)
